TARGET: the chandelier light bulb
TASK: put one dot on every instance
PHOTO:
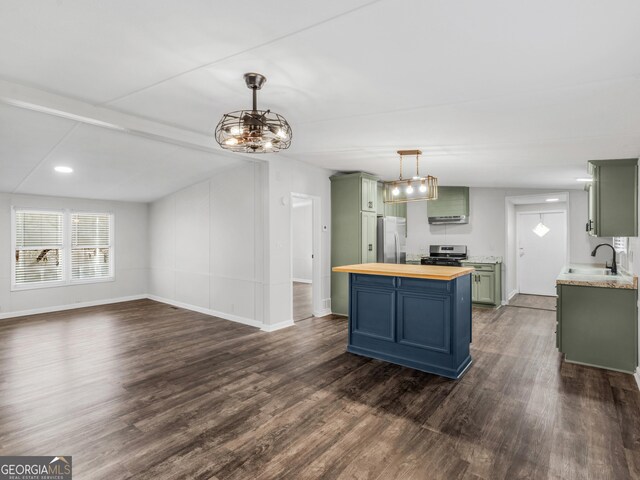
(395, 191)
(235, 130)
(231, 141)
(423, 188)
(268, 145)
(281, 133)
(409, 189)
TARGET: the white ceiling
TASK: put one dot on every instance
(496, 93)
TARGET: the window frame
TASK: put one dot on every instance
(66, 249)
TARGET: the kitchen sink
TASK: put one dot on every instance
(589, 271)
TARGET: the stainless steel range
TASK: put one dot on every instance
(448, 255)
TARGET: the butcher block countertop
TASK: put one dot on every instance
(431, 272)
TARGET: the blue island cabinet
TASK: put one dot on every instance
(419, 323)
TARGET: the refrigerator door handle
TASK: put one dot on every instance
(396, 240)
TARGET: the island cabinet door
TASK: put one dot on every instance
(373, 313)
(424, 321)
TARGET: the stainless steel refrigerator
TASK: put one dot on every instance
(392, 240)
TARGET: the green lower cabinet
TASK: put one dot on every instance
(598, 326)
(483, 288)
(486, 283)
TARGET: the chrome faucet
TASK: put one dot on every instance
(613, 267)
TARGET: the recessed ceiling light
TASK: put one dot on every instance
(584, 179)
(553, 199)
(63, 169)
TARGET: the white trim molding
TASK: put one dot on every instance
(322, 313)
(278, 326)
(71, 306)
(186, 306)
(207, 311)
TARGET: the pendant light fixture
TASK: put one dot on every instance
(253, 131)
(414, 189)
(541, 229)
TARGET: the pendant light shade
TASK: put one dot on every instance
(413, 189)
(253, 131)
(541, 229)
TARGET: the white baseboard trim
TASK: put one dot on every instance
(512, 294)
(322, 313)
(277, 326)
(207, 311)
(71, 306)
(214, 313)
(301, 280)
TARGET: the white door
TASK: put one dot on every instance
(541, 257)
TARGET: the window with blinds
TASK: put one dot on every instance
(61, 247)
(620, 244)
(90, 246)
(39, 247)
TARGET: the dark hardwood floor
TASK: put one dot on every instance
(533, 301)
(302, 301)
(147, 391)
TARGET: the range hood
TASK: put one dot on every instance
(451, 206)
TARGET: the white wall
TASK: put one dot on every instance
(302, 241)
(208, 245)
(288, 176)
(486, 234)
(131, 256)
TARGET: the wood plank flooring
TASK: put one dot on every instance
(302, 301)
(533, 301)
(147, 391)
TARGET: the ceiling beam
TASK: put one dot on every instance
(28, 98)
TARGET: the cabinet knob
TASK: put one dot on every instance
(370, 246)
(370, 204)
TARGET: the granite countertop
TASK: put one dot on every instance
(483, 259)
(432, 272)
(588, 279)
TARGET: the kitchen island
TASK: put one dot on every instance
(418, 316)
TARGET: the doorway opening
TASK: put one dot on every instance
(537, 248)
(542, 250)
(305, 241)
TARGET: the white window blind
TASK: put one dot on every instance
(38, 247)
(91, 246)
(620, 244)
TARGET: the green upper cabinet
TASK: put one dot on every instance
(613, 198)
(369, 192)
(380, 199)
(389, 209)
(395, 210)
(451, 202)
